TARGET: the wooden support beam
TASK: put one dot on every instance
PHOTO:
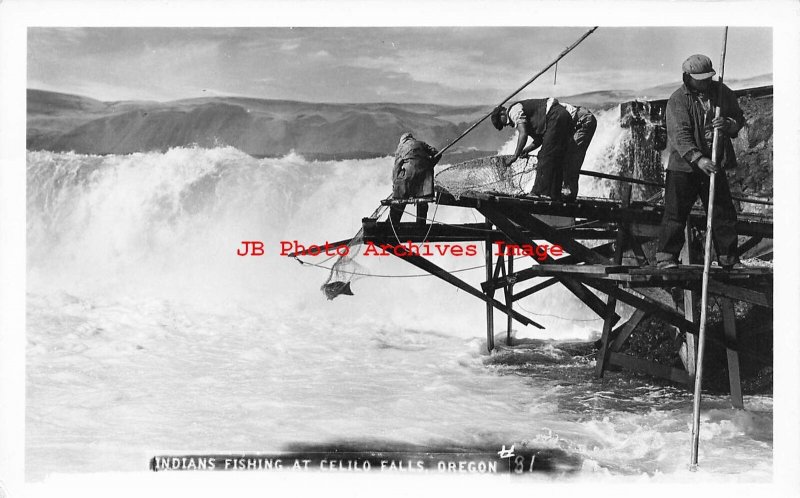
(509, 294)
(648, 367)
(380, 232)
(653, 307)
(529, 273)
(609, 210)
(611, 304)
(689, 257)
(636, 247)
(732, 349)
(490, 290)
(589, 233)
(760, 297)
(749, 244)
(587, 270)
(553, 235)
(536, 288)
(740, 293)
(589, 299)
(625, 330)
(435, 270)
(514, 233)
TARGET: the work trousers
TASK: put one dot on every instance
(411, 180)
(682, 190)
(552, 155)
(585, 126)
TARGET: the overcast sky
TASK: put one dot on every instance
(466, 65)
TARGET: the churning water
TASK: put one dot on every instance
(146, 332)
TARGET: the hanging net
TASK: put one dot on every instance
(346, 269)
(489, 175)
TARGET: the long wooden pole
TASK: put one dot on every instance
(560, 56)
(490, 291)
(637, 181)
(698, 377)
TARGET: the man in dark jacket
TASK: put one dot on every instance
(584, 124)
(550, 126)
(412, 176)
(691, 123)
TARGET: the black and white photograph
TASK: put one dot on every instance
(502, 251)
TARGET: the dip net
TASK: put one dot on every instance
(346, 268)
(489, 175)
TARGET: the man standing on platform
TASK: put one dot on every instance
(412, 176)
(550, 126)
(585, 124)
(690, 133)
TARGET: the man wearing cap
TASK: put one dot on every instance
(691, 123)
(412, 176)
(550, 126)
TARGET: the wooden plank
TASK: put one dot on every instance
(589, 233)
(691, 271)
(739, 293)
(568, 270)
(732, 349)
(648, 367)
(465, 232)
(626, 329)
(603, 210)
(433, 269)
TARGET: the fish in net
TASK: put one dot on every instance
(489, 175)
(346, 269)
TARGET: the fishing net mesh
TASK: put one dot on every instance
(489, 175)
(486, 175)
(346, 268)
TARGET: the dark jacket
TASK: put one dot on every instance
(413, 152)
(536, 112)
(413, 165)
(687, 127)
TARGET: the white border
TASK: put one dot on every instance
(16, 16)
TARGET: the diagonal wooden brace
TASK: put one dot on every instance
(518, 237)
(433, 269)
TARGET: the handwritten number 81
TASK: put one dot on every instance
(519, 464)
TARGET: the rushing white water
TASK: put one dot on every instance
(146, 332)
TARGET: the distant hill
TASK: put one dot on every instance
(62, 122)
(261, 127)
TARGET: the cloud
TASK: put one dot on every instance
(455, 65)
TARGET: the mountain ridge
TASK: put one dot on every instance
(271, 127)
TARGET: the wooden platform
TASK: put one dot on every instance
(600, 236)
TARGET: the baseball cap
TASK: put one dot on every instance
(699, 67)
